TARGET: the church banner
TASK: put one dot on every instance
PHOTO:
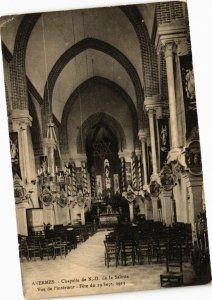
(79, 178)
(116, 183)
(128, 170)
(189, 93)
(99, 185)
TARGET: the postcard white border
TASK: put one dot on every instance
(200, 15)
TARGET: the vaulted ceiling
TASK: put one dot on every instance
(57, 32)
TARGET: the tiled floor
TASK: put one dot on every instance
(83, 272)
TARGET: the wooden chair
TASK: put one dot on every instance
(127, 252)
(143, 249)
(160, 250)
(111, 252)
(33, 249)
(46, 249)
(174, 270)
(23, 250)
(59, 247)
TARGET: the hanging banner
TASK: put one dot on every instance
(79, 178)
(188, 93)
(163, 128)
(128, 173)
(116, 183)
(99, 185)
(14, 152)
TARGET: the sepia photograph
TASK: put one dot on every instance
(105, 150)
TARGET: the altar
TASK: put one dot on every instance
(106, 219)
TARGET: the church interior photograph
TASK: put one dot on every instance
(105, 150)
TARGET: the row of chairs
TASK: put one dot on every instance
(140, 251)
(39, 248)
(129, 250)
(52, 243)
(149, 248)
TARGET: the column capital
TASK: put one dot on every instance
(80, 157)
(153, 105)
(137, 152)
(174, 31)
(132, 154)
(142, 135)
(121, 157)
(125, 154)
(169, 48)
(178, 45)
(21, 119)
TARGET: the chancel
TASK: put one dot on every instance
(105, 145)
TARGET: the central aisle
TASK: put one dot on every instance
(65, 276)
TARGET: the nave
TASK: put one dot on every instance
(87, 260)
(104, 134)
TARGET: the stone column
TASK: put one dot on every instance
(21, 121)
(148, 209)
(142, 137)
(155, 208)
(194, 185)
(153, 107)
(151, 113)
(167, 208)
(131, 212)
(21, 218)
(82, 213)
(169, 51)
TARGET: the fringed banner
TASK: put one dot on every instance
(128, 170)
(79, 179)
(116, 183)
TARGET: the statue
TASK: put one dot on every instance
(163, 137)
(190, 87)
